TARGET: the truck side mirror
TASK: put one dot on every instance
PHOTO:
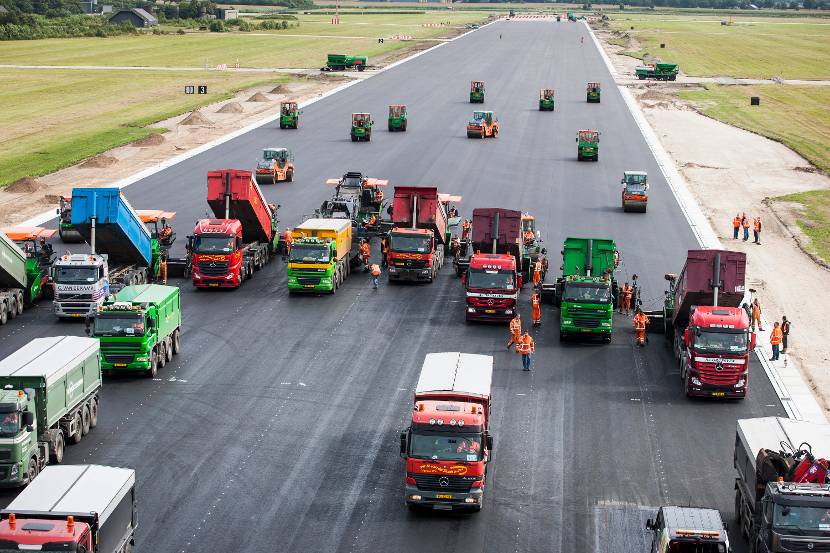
(403, 443)
(488, 439)
(28, 419)
(58, 211)
(650, 524)
(752, 341)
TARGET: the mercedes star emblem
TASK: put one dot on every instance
(443, 481)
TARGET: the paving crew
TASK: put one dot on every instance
(640, 322)
(537, 274)
(625, 304)
(286, 236)
(537, 310)
(745, 224)
(775, 340)
(384, 251)
(529, 237)
(515, 331)
(372, 220)
(166, 233)
(527, 348)
(45, 249)
(375, 275)
(736, 225)
(756, 315)
(543, 258)
(465, 229)
(365, 254)
(455, 246)
(756, 230)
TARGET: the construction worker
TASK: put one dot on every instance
(640, 322)
(375, 275)
(785, 333)
(529, 237)
(384, 251)
(745, 224)
(537, 274)
(756, 315)
(166, 232)
(365, 254)
(527, 348)
(453, 212)
(378, 195)
(625, 304)
(616, 259)
(515, 330)
(286, 236)
(163, 268)
(455, 246)
(756, 230)
(45, 249)
(775, 340)
(372, 220)
(736, 226)
(537, 310)
(466, 226)
(543, 257)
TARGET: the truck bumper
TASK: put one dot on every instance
(74, 309)
(310, 288)
(635, 205)
(139, 366)
(412, 275)
(702, 389)
(572, 330)
(485, 314)
(215, 282)
(447, 502)
(9, 479)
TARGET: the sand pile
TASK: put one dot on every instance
(25, 185)
(49, 199)
(230, 107)
(196, 118)
(150, 140)
(279, 89)
(258, 97)
(99, 162)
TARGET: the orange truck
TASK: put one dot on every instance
(448, 443)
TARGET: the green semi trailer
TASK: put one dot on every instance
(657, 71)
(584, 292)
(340, 62)
(139, 328)
(49, 392)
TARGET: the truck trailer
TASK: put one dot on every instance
(341, 62)
(78, 508)
(139, 328)
(657, 71)
(24, 269)
(243, 236)
(448, 443)
(417, 240)
(702, 319)
(688, 530)
(321, 256)
(782, 493)
(49, 392)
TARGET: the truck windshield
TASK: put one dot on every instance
(681, 546)
(482, 278)
(793, 517)
(408, 243)
(76, 275)
(635, 179)
(635, 188)
(586, 292)
(212, 244)
(9, 424)
(309, 254)
(119, 324)
(443, 446)
(728, 342)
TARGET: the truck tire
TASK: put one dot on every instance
(354, 138)
(282, 125)
(32, 472)
(4, 313)
(168, 349)
(162, 355)
(177, 341)
(85, 424)
(93, 413)
(154, 364)
(21, 302)
(403, 128)
(56, 455)
(289, 176)
(77, 423)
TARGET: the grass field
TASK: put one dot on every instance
(794, 115)
(53, 119)
(303, 46)
(753, 47)
(815, 221)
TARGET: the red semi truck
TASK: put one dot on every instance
(416, 241)
(709, 329)
(492, 280)
(228, 249)
(448, 443)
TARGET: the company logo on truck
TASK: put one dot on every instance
(453, 470)
(73, 387)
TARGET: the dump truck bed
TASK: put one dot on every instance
(12, 264)
(694, 283)
(430, 213)
(509, 227)
(338, 230)
(575, 254)
(119, 231)
(246, 202)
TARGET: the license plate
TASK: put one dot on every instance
(308, 286)
(718, 394)
(119, 365)
(489, 310)
(443, 496)
(213, 284)
(585, 330)
(77, 314)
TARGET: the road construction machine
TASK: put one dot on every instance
(593, 93)
(477, 92)
(587, 145)
(361, 127)
(359, 198)
(634, 191)
(483, 124)
(397, 117)
(289, 115)
(546, 99)
(275, 165)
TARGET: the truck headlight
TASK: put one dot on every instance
(141, 358)
(567, 322)
(229, 276)
(392, 269)
(471, 500)
(508, 311)
(740, 383)
(414, 497)
(471, 310)
(197, 276)
(292, 280)
(15, 470)
(606, 324)
(696, 381)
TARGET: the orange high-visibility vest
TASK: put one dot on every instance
(515, 326)
(736, 222)
(375, 269)
(776, 336)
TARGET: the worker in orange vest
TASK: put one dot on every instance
(515, 331)
(537, 311)
(775, 340)
(640, 322)
(365, 254)
(537, 274)
(756, 315)
(745, 224)
(625, 306)
(527, 348)
(736, 225)
(465, 229)
(375, 275)
(163, 267)
(384, 251)
(529, 237)
(756, 230)
(286, 236)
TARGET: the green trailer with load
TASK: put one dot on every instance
(585, 291)
(341, 62)
(24, 268)
(657, 71)
(49, 392)
(289, 115)
(546, 99)
(321, 256)
(397, 117)
(587, 145)
(139, 328)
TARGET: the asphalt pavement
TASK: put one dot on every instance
(276, 428)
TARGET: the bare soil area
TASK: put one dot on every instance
(28, 197)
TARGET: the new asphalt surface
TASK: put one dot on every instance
(276, 428)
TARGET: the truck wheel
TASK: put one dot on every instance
(354, 138)
(85, 425)
(282, 125)
(57, 453)
(32, 472)
(93, 413)
(289, 176)
(162, 355)
(20, 301)
(273, 178)
(177, 341)
(4, 313)
(403, 128)
(154, 365)
(168, 348)
(77, 423)
(561, 336)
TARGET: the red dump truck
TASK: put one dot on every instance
(448, 443)
(703, 318)
(416, 241)
(243, 236)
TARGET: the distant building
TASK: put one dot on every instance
(89, 6)
(106, 8)
(135, 17)
(227, 13)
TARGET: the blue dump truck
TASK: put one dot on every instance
(122, 252)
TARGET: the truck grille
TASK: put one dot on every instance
(121, 347)
(582, 322)
(213, 268)
(729, 375)
(5, 454)
(433, 482)
(308, 281)
(118, 357)
(496, 303)
(586, 317)
(410, 263)
(804, 544)
(74, 297)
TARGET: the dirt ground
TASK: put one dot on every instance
(187, 131)
(730, 170)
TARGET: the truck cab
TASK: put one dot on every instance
(483, 124)
(688, 530)
(321, 255)
(587, 145)
(275, 164)
(634, 191)
(81, 282)
(218, 259)
(23, 456)
(289, 115)
(491, 283)
(39, 258)
(361, 127)
(411, 254)
(477, 92)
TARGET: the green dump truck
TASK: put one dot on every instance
(49, 392)
(584, 291)
(587, 145)
(24, 268)
(658, 71)
(321, 255)
(139, 328)
(340, 62)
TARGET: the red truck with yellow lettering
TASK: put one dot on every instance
(448, 444)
